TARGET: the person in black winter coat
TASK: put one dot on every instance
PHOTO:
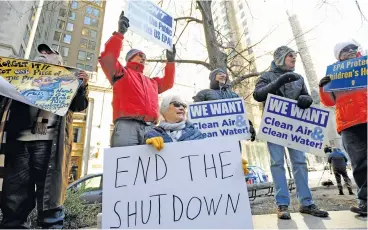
(282, 81)
(220, 88)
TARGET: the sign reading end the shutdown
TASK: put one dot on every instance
(151, 22)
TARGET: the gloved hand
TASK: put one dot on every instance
(123, 23)
(304, 101)
(157, 142)
(170, 56)
(324, 81)
(245, 166)
(287, 78)
(252, 131)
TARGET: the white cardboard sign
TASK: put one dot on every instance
(194, 184)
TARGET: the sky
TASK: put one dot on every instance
(333, 22)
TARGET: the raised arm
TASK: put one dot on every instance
(167, 81)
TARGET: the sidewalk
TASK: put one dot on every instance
(337, 220)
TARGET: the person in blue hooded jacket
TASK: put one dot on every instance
(220, 88)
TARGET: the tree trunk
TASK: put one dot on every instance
(217, 58)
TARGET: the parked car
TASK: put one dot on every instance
(256, 175)
(91, 186)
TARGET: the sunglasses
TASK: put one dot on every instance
(350, 48)
(178, 104)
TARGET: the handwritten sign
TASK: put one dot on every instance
(220, 118)
(347, 75)
(189, 184)
(48, 87)
(284, 123)
(151, 22)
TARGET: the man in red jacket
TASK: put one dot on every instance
(135, 96)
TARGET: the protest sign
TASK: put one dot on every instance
(189, 184)
(48, 87)
(227, 117)
(284, 123)
(347, 75)
(151, 22)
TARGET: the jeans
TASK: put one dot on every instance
(354, 140)
(26, 165)
(129, 132)
(300, 172)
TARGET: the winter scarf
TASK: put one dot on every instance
(175, 130)
(279, 56)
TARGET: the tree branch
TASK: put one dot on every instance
(246, 76)
(197, 62)
(189, 19)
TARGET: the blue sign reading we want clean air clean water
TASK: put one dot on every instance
(151, 22)
(347, 75)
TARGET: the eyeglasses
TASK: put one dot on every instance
(178, 104)
(350, 48)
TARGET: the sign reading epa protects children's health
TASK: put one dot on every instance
(284, 123)
(220, 118)
(150, 21)
(347, 75)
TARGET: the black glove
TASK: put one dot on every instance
(287, 78)
(327, 149)
(170, 56)
(304, 101)
(252, 131)
(123, 23)
(324, 81)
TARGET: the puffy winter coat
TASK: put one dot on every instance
(189, 133)
(134, 95)
(337, 159)
(215, 92)
(351, 106)
(290, 90)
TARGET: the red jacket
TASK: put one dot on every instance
(351, 107)
(134, 95)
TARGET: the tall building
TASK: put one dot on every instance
(231, 24)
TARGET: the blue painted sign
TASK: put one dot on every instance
(151, 22)
(284, 123)
(347, 75)
(220, 118)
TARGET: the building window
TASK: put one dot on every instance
(93, 33)
(89, 57)
(87, 20)
(242, 14)
(67, 38)
(96, 12)
(94, 22)
(88, 68)
(92, 45)
(65, 51)
(70, 27)
(21, 52)
(80, 66)
(60, 24)
(72, 15)
(89, 10)
(57, 36)
(55, 47)
(83, 43)
(85, 31)
(77, 135)
(26, 35)
(62, 12)
(74, 5)
(81, 55)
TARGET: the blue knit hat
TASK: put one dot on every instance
(131, 54)
(215, 72)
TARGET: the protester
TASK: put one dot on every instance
(338, 162)
(282, 81)
(175, 127)
(37, 154)
(220, 88)
(135, 96)
(351, 119)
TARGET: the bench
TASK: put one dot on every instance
(254, 188)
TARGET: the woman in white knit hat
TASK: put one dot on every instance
(351, 119)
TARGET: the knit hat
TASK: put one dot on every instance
(131, 54)
(340, 46)
(280, 54)
(167, 100)
(215, 72)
